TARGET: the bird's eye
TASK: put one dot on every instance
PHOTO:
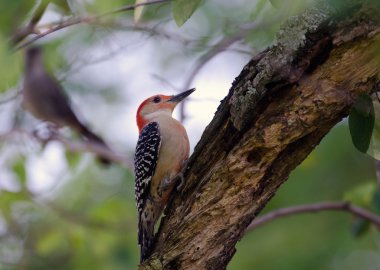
(156, 99)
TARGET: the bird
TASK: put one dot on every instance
(44, 98)
(161, 153)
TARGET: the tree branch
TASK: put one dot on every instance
(278, 109)
(9, 96)
(218, 48)
(72, 146)
(316, 207)
(73, 21)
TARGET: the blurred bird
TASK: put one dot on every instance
(44, 97)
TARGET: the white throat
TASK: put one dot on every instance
(158, 114)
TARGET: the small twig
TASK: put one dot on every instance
(30, 28)
(74, 146)
(88, 62)
(73, 21)
(377, 96)
(10, 96)
(218, 48)
(69, 22)
(312, 208)
(131, 7)
(165, 82)
(89, 146)
(223, 45)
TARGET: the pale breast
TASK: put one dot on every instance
(173, 152)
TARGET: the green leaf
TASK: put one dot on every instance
(39, 12)
(138, 11)
(374, 147)
(277, 3)
(72, 159)
(376, 201)
(361, 122)
(14, 14)
(183, 9)
(62, 4)
(258, 9)
(362, 194)
(50, 241)
(19, 169)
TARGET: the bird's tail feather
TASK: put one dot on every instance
(147, 220)
(89, 135)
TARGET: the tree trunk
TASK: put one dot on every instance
(278, 109)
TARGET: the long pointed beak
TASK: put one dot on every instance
(178, 98)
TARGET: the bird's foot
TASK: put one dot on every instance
(165, 185)
(181, 176)
(45, 132)
(170, 182)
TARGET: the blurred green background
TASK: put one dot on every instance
(62, 210)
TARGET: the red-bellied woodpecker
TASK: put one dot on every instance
(161, 152)
(44, 97)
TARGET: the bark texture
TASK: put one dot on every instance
(278, 109)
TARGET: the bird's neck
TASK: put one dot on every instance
(34, 66)
(157, 116)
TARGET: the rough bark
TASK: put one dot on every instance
(278, 109)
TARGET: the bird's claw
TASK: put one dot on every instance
(182, 181)
(45, 132)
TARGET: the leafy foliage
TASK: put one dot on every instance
(139, 10)
(183, 9)
(361, 122)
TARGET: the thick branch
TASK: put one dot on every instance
(278, 109)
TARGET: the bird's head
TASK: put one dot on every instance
(158, 104)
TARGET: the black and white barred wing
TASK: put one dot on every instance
(146, 157)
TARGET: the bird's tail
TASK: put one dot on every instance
(147, 220)
(89, 135)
